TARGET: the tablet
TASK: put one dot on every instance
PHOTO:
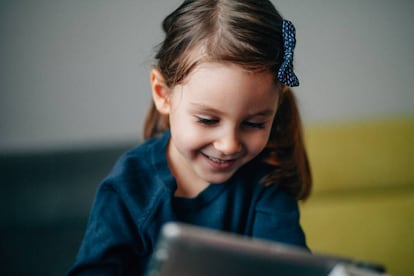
(186, 250)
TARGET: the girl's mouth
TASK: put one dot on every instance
(219, 164)
(217, 160)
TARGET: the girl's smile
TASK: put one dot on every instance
(219, 164)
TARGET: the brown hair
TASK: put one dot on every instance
(243, 32)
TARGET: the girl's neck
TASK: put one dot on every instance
(189, 185)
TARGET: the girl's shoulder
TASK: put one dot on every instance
(145, 160)
(142, 172)
(271, 198)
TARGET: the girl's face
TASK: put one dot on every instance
(220, 119)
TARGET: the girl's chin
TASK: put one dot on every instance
(217, 178)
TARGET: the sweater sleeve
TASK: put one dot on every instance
(277, 218)
(111, 245)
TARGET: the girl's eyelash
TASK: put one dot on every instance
(254, 125)
(206, 121)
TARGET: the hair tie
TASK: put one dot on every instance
(285, 75)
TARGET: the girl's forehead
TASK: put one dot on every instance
(213, 85)
(227, 70)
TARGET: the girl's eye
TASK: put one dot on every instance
(246, 124)
(254, 125)
(207, 121)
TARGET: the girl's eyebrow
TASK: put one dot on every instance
(205, 108)
(264, 113)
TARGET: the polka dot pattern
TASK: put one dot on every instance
(285, 75)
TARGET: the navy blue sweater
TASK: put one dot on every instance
(137, 198)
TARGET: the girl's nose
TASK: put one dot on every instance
(228, 144)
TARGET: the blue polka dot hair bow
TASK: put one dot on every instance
(285, 75)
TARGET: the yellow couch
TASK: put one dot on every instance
(362, 205)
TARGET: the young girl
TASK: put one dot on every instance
(223, 145)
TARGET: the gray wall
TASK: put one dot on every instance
(75, 73)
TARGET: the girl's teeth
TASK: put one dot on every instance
(216, 160)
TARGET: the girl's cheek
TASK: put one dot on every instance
(260, 142)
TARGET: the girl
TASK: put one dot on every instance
(223, 146)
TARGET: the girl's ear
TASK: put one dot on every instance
(160, 92)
